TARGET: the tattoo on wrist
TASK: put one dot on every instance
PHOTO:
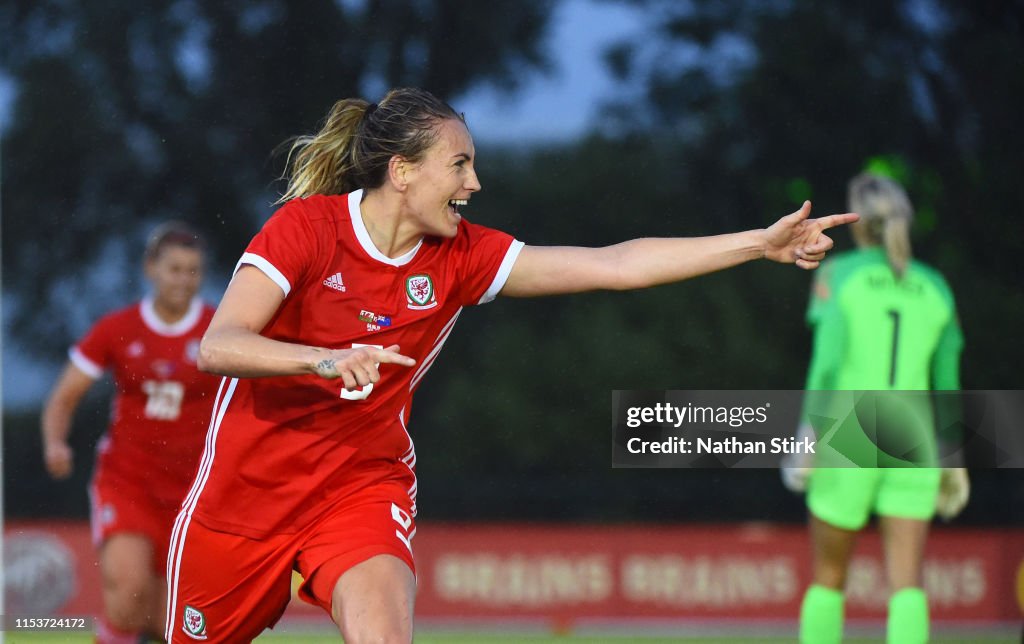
(326, 368)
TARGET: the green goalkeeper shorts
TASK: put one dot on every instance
(846, 496)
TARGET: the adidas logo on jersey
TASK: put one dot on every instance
(334, 281)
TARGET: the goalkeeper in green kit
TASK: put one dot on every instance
(882, 321)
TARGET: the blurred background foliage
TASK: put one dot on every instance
(730, 114)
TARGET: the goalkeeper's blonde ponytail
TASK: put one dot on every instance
(885, 215)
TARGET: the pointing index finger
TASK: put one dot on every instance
(832, 221)
(391, 355)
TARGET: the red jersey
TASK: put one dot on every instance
(280, 448)
(161, 405)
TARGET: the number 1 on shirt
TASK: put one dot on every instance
(895, 315)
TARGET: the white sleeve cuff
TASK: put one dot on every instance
(268, 269)
(503, 272)
(85, 365)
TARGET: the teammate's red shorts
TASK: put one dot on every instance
(228, 588)
(123, 504)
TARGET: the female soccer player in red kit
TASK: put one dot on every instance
(159, 416)
(336, 311)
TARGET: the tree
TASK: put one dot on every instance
(775, 102)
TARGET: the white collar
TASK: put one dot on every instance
(356, 214)
(181, 327)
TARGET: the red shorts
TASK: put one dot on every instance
(124, 505)
(228, 588)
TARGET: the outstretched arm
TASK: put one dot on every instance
(640, 263)
(233, 346)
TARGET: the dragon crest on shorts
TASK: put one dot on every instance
(194, 623)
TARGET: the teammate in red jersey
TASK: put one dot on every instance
(337, 309)
(159, 416)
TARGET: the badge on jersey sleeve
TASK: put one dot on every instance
(419, 292)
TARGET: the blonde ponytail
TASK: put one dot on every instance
(358, 139)
(896, 238)
(886, 213)
(320, 164)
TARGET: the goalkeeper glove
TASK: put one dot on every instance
(954, 490)
(796, 468)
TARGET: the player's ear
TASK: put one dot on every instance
(398, 172)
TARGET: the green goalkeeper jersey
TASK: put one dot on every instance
(873, 331)
(876, 332)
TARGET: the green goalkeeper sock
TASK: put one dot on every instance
(821, 616)
(908, 617)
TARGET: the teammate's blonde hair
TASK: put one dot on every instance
(885, 215)
(353, 148)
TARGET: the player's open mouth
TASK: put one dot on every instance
(455, 203)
